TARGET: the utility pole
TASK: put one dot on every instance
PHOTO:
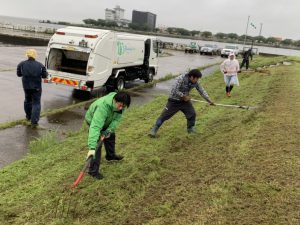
(246, 31)
(260, 29)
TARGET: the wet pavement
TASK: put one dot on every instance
(14, 141)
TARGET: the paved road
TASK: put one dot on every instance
(55, 96)
(14, 141)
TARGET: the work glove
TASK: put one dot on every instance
(106, 134)
(186, 98)
(92, 153)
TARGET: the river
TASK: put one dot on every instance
(261, 49)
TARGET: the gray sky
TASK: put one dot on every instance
(279, 17)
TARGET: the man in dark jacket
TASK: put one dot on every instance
(246, 55)
(179, 100)
(32, 73)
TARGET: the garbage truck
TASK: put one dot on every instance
(86, 58)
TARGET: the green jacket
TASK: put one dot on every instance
(102, 115)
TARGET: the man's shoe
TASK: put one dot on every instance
(192, 130)
(114, 158)
(97, 176)
(153, 132)
(34, 125)
(228, 94)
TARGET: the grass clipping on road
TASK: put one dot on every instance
(242, 168)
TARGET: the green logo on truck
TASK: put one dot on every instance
(122, 48)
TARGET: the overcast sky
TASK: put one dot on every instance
(280, 18)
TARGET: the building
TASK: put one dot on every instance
(117, 15)
(109, 14)
(144, 19)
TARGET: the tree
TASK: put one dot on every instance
(271, 40)
(297, 43)
(101, 22)
(220, 35)
(170, 30)
(111, 24)
(183, 31)
(195, 32)
(287, 42)
(206, 34)
(259, 39)
(233, 36)
(90, 21)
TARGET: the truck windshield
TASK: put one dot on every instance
(68, 61)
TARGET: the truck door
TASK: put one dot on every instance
(147, 52)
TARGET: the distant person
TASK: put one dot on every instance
(246, 55)
(179, 100)
(102, 117)
(230, 68)
(32, 73)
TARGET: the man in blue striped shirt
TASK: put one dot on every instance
(179, 100)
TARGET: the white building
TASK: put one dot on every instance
(117, 15)
(109, 14)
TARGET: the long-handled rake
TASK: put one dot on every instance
(225, 105)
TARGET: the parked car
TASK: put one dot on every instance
(230, 48)
(192, 48)
(209, 49)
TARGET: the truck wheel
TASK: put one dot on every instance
(150, 77)
(120, 83)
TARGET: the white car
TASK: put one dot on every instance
(209, 49)
(230, 48)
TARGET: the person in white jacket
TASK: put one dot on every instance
(230, 68)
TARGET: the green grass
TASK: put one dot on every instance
(242, 167)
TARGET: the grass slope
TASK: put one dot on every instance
(242, 168)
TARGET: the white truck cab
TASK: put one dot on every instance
(87, 58)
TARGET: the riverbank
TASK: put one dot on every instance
(242, 167)
(19, 37)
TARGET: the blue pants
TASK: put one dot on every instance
(32, 104)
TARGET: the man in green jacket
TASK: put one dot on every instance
(102, 117)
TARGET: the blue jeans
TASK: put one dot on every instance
(228, 80)
(32, 104)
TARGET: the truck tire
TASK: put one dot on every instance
(120, 83)
(149, 77)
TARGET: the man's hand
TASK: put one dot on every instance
(92, 153)
(239, 71)
(106, 134)
(224, 71)
(186, 98)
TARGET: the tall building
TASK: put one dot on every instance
(117, 15)
(144, 18)
(109, 14)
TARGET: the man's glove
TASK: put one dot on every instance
(92, 153)
(186, 98)
(106, 133)
(224, 71)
